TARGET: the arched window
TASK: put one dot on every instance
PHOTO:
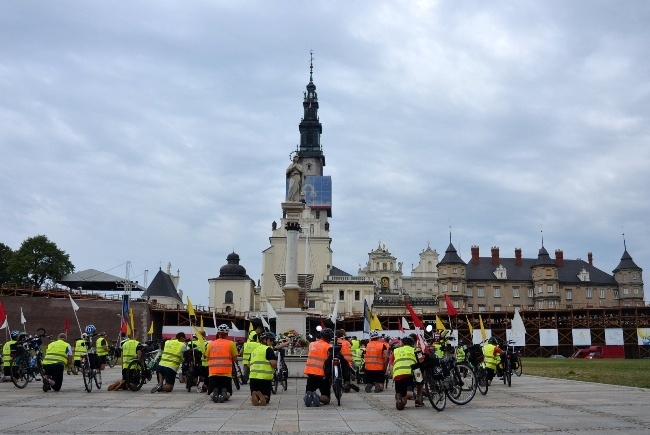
(228, 297)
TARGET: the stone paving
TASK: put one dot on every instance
(531, 405)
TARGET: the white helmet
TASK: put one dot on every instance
(223, 328)
(374, 334)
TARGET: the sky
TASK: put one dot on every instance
(158, 132)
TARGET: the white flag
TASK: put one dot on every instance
(74, 305)
(234, 328)
(264, 322)
(22, 318)
(335, 313)
(4, 324)
(518, 324)
(214, 319)
(405, 324)
(270, 312)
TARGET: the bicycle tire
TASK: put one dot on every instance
(111, 360)
(136, 374)
(274, 384)
(338, 390)
(518, 370)
(283, 381)
(507, 376)
(18, 373)
(435, 393)
(482, 381)
(97, 376)
(464, 388)
(87, 375)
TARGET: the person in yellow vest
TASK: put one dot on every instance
(6, 356)
(246, 351)
(263, 362)
(253, 335)
(57, 356)
(491, 355)
(315, 370)
(102, 350)
(171, 359)
(221, 355)
(79, 349)
(204, 362)
(403, 359)
(131, 351)
(375, 361)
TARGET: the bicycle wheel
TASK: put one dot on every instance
(507, 375)
(481, 381)
(86, 373)
(274, 384)
(97, 375)
(518, 366)
(111, 359)
(136, 375)
(18, 372)
(338, 389)
(434, 391)
(283, 380)
(463, 385)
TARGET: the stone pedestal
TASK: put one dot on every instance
(292, 211)
(291, 318)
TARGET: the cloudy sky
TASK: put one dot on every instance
(156, 132)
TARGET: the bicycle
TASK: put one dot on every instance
(114, 353)
(281, 373)
(191, 368)
(27, 360)
(444, 378)
(139, 371)
(477, 363)
(507, 363)
(90, 367)
(337, 373)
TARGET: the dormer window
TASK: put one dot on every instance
(583, 275)
(500, 272)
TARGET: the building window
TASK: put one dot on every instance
(454, 287)
(444, 288)
(481, 292)
(549, 289)
(626, 291)
(341, 295)
(549, 272)
(357, 295)
(497, 308)
(634, 276)
(481, 308)
(455, 271)
(312, 304)
(470, 309)
(540, 289)
(540, 305)
(539, 273)
(588, 293)
(636, 291)
(615, 294)
(515, 292)
(569, 295)
(531, 293)
(497, 292)
(228, 297)
(444, 271)
(602, 293)
(456, 304)
(470, 291)
(551, 304)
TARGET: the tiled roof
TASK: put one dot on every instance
(162, 285)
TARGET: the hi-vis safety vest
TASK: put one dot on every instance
(99, 344)
(129, 352)
(345, 349)
(219, 357)
(489, 358)
(56, 353)
(6, 353)
(249, 347)
(460, 354)
(404, 358)
(315, 364)
(172, 355)
(375, 355)
(260, 367)
(79, 349)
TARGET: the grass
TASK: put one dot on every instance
(628, 372)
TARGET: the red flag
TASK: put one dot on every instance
(66, 325)
(451, 310)
(399, 326)
(322, 324)
(124, 329)
(3, 316)
(416, 320)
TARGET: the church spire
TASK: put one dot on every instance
(310, 126)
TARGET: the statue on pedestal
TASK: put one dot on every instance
(294, 174)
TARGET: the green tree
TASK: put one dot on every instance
(38, 260)
(5, 256)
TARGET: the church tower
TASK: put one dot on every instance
(314, 253)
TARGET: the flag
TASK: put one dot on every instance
(416, 320)
(214, 318)
(399, 326)
(451, 310)
(375, 324)
(190, 308)
(483, 333)
(202, 328)
(150, 331)
(3, 317)
(199, 337)
(439, 325)
(335, 312)
(518, 324)
(270, 312)
(366, 317)
(469, 325)
(322, 324)
(265, 323)
(125, 304)
(234, 328)
(66, 324)
(131, 322)
(22, 317)
(420, 336)
(250, 325)
(75, 307)
(124, 329)
(405, 324)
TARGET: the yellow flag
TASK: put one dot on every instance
(132, 324)
(199, 337)
(202, 328)
(150, 329)
(250, 326)
(483, 333)
(439, 325)
(375, 324)
(190, 308)
(469, 325)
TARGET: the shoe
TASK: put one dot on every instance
(157, 388)
(369, 388)
(354, 387)
(222, 395)
(308, 399)
(254, 398)
(46, 387)
(399, 402)
(419, 403)
(261, 398)
(377, 388)
(316, 399)
(215, 397)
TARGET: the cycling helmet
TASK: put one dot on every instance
(223, 328)
(267, 336)
(90, 329)
(374, 334)
(493, 340)
(408, 341)
(327, 332)
(15, 334)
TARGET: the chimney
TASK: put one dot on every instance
(495, 255)
(518, 256)
(559, 257)
(475, 255)
(590, 257)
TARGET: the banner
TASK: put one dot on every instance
(548, 337)
(581, 336)
(644, 336)
(477, 337)
(517, 336)
(614, 337)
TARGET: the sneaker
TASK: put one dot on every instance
(316, 399)
(46, 387)
(157, 388)
(419, 403)
(399, 402)
(308, 399)
(214, 396)
(369, 388)
(354, 387)
(254, 398)
(377, 388)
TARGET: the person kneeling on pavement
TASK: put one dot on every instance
(221, 355)
(375, 361)
(404, 359)
(171, 359)
(57, 356)
(131, 351)
(319, 353)
(263, 362)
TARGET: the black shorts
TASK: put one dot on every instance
(375, 376)
(7, 371)
(168, 374)
(263, 386)
(102, 359)
(402, 385)
(319, 383)
(219, 382)
(55, 372)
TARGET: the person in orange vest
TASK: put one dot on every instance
(375, 361)
(346, 353)
(315, 370)
(221, 354)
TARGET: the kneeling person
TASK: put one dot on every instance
(263, 363)
(57, 356)
(171, 359)
(221, 354)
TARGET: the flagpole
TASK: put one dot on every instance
(76, 317)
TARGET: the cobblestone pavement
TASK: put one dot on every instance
(531, 405)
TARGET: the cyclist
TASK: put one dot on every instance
(221, 355)
(131, 350)
(375, 360)
(6, 355)
(102, 350)
(246, 351)
(204, 362)
(57, 356)
(263, 363)
(171, 359)
(93, 359)
(315, 370)
(490, 353)
(253, 335)
(79, 349)
(403, 359)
